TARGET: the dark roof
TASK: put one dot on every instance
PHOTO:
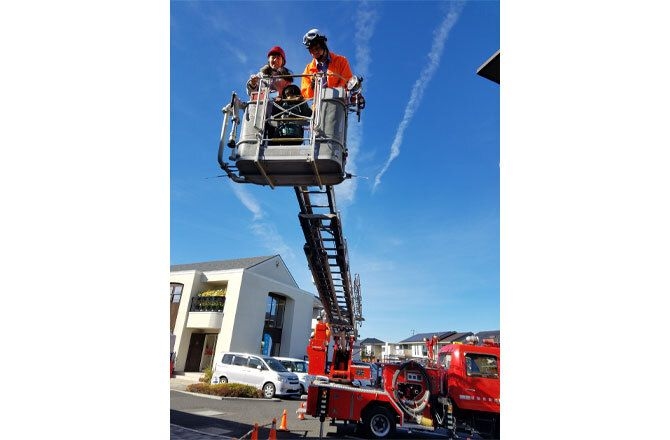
(489, 334)
(419, 337)
(456, 337)
(491, 68)
(371, 341)
(206, 266)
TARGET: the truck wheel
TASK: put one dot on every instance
(378, 422)
(223, 379)
(269, 390)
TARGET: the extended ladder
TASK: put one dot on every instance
(326, 251)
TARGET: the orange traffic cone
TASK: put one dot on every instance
(301, 411)
(273, 430)
(282, 425)
(254, 433)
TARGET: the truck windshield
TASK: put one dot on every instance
(481, 365)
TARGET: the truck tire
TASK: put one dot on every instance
(378, 422)
(223, 379)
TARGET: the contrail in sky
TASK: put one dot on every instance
(267, 232)
(248, 201)
(421, 83)
(366, 18)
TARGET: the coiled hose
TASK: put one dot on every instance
(404, 403)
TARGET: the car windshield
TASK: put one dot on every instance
(300, 367)
(275, 365)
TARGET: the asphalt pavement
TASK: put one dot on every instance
(196, 416)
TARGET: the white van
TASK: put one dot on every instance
(299, 367)
(263, 372)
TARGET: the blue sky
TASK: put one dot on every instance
(422, 217)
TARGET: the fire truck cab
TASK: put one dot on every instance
(473, 384)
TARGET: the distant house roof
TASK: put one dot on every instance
(419, 337)
(371, 341)
(456, 337)
(240, 263)
(489, 334)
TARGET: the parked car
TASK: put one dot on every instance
(263, 372)
(299, 367)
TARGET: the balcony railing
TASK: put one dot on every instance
(207, 303)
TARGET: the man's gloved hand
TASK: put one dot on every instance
(357, 99)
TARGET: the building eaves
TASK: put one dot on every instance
(208, 266)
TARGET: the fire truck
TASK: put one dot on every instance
(457, 390)
(273, 144)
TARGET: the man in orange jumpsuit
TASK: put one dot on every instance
(337, 66)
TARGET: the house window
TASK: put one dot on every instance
(175, 292)
(274, 311)
(175, 297)
(419, 351)
(274, 322)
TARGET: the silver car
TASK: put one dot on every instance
(299, 367)
(262, 372)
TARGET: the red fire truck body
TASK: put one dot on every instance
(460, 389)
(473, 384)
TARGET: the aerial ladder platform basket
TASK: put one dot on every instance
(274, 143)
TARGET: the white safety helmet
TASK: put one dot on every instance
(312, 36)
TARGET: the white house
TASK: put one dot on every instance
(250, 304)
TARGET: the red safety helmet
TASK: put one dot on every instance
(278, 50)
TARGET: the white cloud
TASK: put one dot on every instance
(271, 239)
(420, 85)
(346, 191)
(266, 232)
(366, 18)
(247, 200)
